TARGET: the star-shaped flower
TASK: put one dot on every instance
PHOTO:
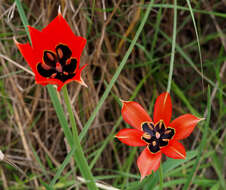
(159, 135)
(55, 53)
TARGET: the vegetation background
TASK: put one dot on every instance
(31, 136)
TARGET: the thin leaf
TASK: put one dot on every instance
(190, 177)
(117, 73)
(173, 46)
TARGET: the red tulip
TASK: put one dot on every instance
(55, 53)
(159, 135)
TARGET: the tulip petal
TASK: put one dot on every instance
(134, 114)
(131, 137)
(36, 39)
(148, 162)
(27, 51)
(174, 150)
(184, 125)
(59, 30)
(163, 108)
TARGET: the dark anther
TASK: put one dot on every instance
(71, 65)
(156, 136)
(45, 72)
(160, 126)
(148, 127)
(49, 58)
(63, 53)
(168, 133)
(154, 146)
(59, 65)
(163, 142)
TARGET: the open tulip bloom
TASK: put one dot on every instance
(55, 53)
(159, 135)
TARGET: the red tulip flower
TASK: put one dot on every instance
(55, 53)
(159, 135)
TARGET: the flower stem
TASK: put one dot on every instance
(73, 138)
(79, 154)
(160, 177)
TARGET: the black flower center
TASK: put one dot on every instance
(59, 64)
(156, 135)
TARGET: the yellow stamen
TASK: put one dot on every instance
(146, 136)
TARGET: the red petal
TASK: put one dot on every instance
(134, 114)
(131, 137)
(148, 162)
(184, 125)
(163, 108)
(27, 51)
(59, 31)
(174, 150)
(38, 43)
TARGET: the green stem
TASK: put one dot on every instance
(72, 138)
(160, 177)
(79, 154)
(69, 109)
(60, 114)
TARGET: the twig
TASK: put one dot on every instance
(16, 64)
(99, 184)
(8, 161)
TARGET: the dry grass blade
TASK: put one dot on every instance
(8, 161)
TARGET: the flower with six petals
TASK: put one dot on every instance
(159, 135)
(55, 53)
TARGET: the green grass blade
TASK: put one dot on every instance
(183, 97)
(216, 186)
(197, 35)
(62, 166)
(182, 8)
(173, 46)
(168, 166)
(60, 114)
(171, 163)
(118, 71)
(155, 37)
(79, 154)
(23, 17)
(218, 165)
(202, 144)
(191, 63)
(39, 162)
(46, 186)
